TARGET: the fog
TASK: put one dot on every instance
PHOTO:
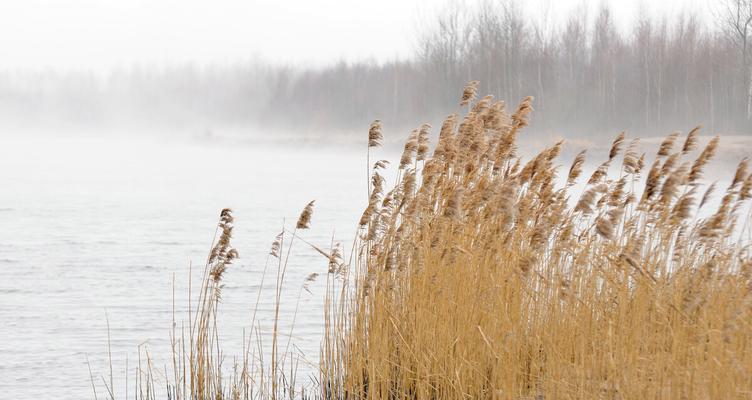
(98, 36)
(322, 71)
(126, 126)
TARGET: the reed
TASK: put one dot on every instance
(200, 369)
(482, 275)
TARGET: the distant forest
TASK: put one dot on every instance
(588, 77)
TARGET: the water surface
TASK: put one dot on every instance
(96, 227)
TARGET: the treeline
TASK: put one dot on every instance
(588, 77)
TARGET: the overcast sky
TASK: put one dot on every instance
(102, 34)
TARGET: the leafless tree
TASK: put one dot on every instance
(735, 16)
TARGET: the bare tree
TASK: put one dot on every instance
(736, 19)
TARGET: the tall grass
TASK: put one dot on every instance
(481, 275)
(200, 368)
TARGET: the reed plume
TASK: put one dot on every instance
(375, 137)
(304, 221)
(469, 92)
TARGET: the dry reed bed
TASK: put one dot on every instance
(476, 275)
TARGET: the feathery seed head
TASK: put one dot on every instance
(304, 221)
(375, 137)
(469, 92)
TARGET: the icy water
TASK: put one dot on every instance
(100, 229)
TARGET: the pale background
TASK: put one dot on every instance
(101, 34)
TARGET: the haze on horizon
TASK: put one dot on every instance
(323, 70)
(102, 35)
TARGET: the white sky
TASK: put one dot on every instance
(102, 34)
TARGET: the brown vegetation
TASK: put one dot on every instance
(480, 275)
(486, 280)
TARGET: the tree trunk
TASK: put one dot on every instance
(749, 94)
(712, 99)
(647, 91)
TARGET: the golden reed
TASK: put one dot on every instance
(483, 276)
(480, 275)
